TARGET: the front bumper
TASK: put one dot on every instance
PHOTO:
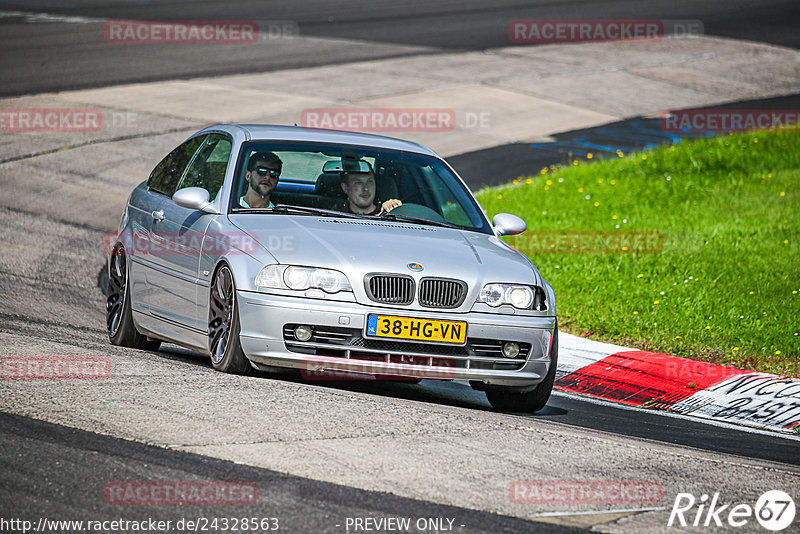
(339, 345)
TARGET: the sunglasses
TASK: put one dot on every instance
(263, 171)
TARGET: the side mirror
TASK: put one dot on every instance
(508, 224)
(194, 198)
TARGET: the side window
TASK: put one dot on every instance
(447, 203)
(207, 169)
(165, 176)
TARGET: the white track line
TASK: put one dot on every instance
(597, 512)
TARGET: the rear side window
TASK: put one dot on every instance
(165, 176)
(207, 169)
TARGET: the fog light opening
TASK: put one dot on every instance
(303, 332)
(510, 349)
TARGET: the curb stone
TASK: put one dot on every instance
(689, 387)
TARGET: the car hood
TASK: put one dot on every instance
(361, 246)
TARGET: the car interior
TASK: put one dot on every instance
(312, 179)
(326, 191)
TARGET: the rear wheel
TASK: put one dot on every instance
(532, 401)
(119, 317)
(224, 328)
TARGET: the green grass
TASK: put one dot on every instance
(725, 286)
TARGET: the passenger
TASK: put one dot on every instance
(360, 190)
(263, 171)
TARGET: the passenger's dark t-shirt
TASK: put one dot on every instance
(376, 211)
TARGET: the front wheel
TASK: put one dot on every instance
(224, 328)
(532, 401)
(119, 317)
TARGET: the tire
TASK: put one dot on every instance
(119, 317)
(224, 327)
(506, 400)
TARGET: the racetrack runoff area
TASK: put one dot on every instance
(61, 191)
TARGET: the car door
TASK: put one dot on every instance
(178, 232)
(152, 251)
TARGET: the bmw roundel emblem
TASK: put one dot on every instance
(415, 267)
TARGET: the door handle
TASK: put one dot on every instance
(158, 215)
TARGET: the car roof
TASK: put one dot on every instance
(270, 132)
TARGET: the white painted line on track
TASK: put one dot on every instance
(597, 512)
(35, 18)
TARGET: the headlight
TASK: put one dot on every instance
(497, 294)
(491, 294)
(299, 278)
(270, 276)
(520, 297)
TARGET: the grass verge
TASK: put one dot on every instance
(711, 268)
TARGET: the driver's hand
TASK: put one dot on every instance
(390, 204)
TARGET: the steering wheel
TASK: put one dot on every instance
(418, 210)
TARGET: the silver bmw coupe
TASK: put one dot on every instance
(339, 254)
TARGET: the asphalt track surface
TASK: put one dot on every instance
(51, 53)
(568, 409)
(31, 489)
(55, 471)
(503, 163)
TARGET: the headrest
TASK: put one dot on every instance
(328, 184)
(386, 181)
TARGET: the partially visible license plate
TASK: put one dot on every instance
(391, 326)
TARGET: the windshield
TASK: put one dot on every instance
(352, 181)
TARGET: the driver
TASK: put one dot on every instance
(360, 190)
(263, 172)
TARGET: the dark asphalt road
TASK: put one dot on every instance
(43, 56)
(503, 163)
(606, 417)
(59, 473)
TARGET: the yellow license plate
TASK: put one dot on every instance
(394, 327)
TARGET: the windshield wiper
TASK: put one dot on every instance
(284, 208)
(303, 210)
(420, 220)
